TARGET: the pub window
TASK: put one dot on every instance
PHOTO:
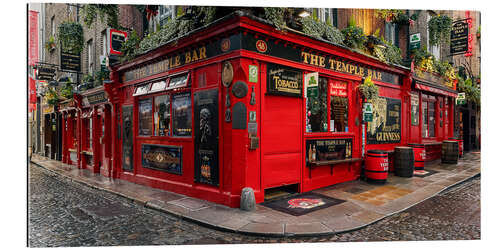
(428, 119)
(74, 133)
(145, 116)
(338, 113)
(181, 114)
(317, 110)
(162, 115)
(87, 133)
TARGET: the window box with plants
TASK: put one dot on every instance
(50, 45)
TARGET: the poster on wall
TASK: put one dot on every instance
(386, 125)
(181, 113)
(414, 109)
(163, 158)
(328, 150)
(206, 134)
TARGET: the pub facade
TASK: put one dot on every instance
(239, 104)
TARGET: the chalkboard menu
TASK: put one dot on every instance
(283, 80)
(386, 124)
(181, 114)
(459, 37)
(328, 149)
(164, 158)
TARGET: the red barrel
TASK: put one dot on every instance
(419, 153)
(376, 166)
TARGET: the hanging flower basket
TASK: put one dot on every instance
(368, 89)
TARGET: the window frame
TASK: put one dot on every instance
(429, 100)
(330, 81)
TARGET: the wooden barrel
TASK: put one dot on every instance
(460, 146)
(403, 161)
(419, 154)
(376, 166)
(449, 152)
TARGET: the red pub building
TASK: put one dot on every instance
(238, 104)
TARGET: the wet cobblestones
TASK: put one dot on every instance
(64, 213)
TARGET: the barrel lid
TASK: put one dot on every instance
(402, 147)
(373, 151)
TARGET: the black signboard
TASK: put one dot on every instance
(459, 37)
(45, 73)
(117, 40)
(70, 61)
(181, 114)
(386, 124)
(294, 53)
(283, 80)
(127, 142)
(97, 98)
(164, 158)
(328, 149)
(206, 136)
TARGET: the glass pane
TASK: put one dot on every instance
(178, 81)
(158, 86)
(338, 114)
(317, 108)
(432, 121)
(140, 90)
(162, 115)
(181, 114)
(425, 132)
(145, 116)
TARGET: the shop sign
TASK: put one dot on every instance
(460, 99)
(96, 98)
(283, 80)
(415, 41)
(176, 60)
(386, 124)
(116, 38)
(338, 89)
(48, 109)
(414, 109)
(45, 73)
(163, 158)
(367, 117)
(459, 37)
(294, 53)
(367, 112)
(253, 73)
(67, 105)
(311, 79)
(328, 149)
(70, 61)
(206, 134)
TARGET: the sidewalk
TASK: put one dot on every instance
(364, 203)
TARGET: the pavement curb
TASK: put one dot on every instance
(152, 205)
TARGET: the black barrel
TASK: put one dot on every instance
(404, 161)
(449, 152)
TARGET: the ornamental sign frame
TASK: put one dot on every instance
(459, 37)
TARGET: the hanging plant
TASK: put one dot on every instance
(67, 90)
(368, 89)
(275, 16)
(478, 32)
(472, 91)
(100, 76)
(388, 14)
(52, 97)
(70, 34)
(439, 29)
(353, 35)
(130, 46)
(50, 45)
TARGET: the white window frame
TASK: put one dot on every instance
(53, 26)
(390, 32)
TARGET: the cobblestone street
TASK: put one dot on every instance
(65, 213)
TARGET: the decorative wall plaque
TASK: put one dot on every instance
(252, 96)
(239, 116)
(227, 73)
(163, 158)
(240, 89)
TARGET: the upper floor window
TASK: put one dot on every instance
(90, 56)
(433, 49)
(52, 26)
(390, 32)
(104, 42)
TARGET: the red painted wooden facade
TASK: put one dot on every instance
(281, 155)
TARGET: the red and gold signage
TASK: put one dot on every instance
(338, 89)
(261, 46)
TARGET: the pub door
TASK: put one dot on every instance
(281, 140)
(104, 142)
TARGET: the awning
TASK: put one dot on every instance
(421, 86)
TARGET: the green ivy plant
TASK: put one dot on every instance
(276, 16)
(70, 35)
(130, 46)
(472, 91)
(320, 30)
(67, 90)
(52, 97)
(100, 76)
(110, 11)
(439, 29)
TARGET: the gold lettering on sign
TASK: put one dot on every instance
(305, 55)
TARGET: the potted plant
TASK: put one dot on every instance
(353, 35)
(368, 89)
(52, 97)
(478, 32)
(50, 45)
(439, 29)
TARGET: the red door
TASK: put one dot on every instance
(281, 140)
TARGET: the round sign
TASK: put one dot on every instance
(240, 89)
(227, 74)
(225, 44)
(261, 46)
